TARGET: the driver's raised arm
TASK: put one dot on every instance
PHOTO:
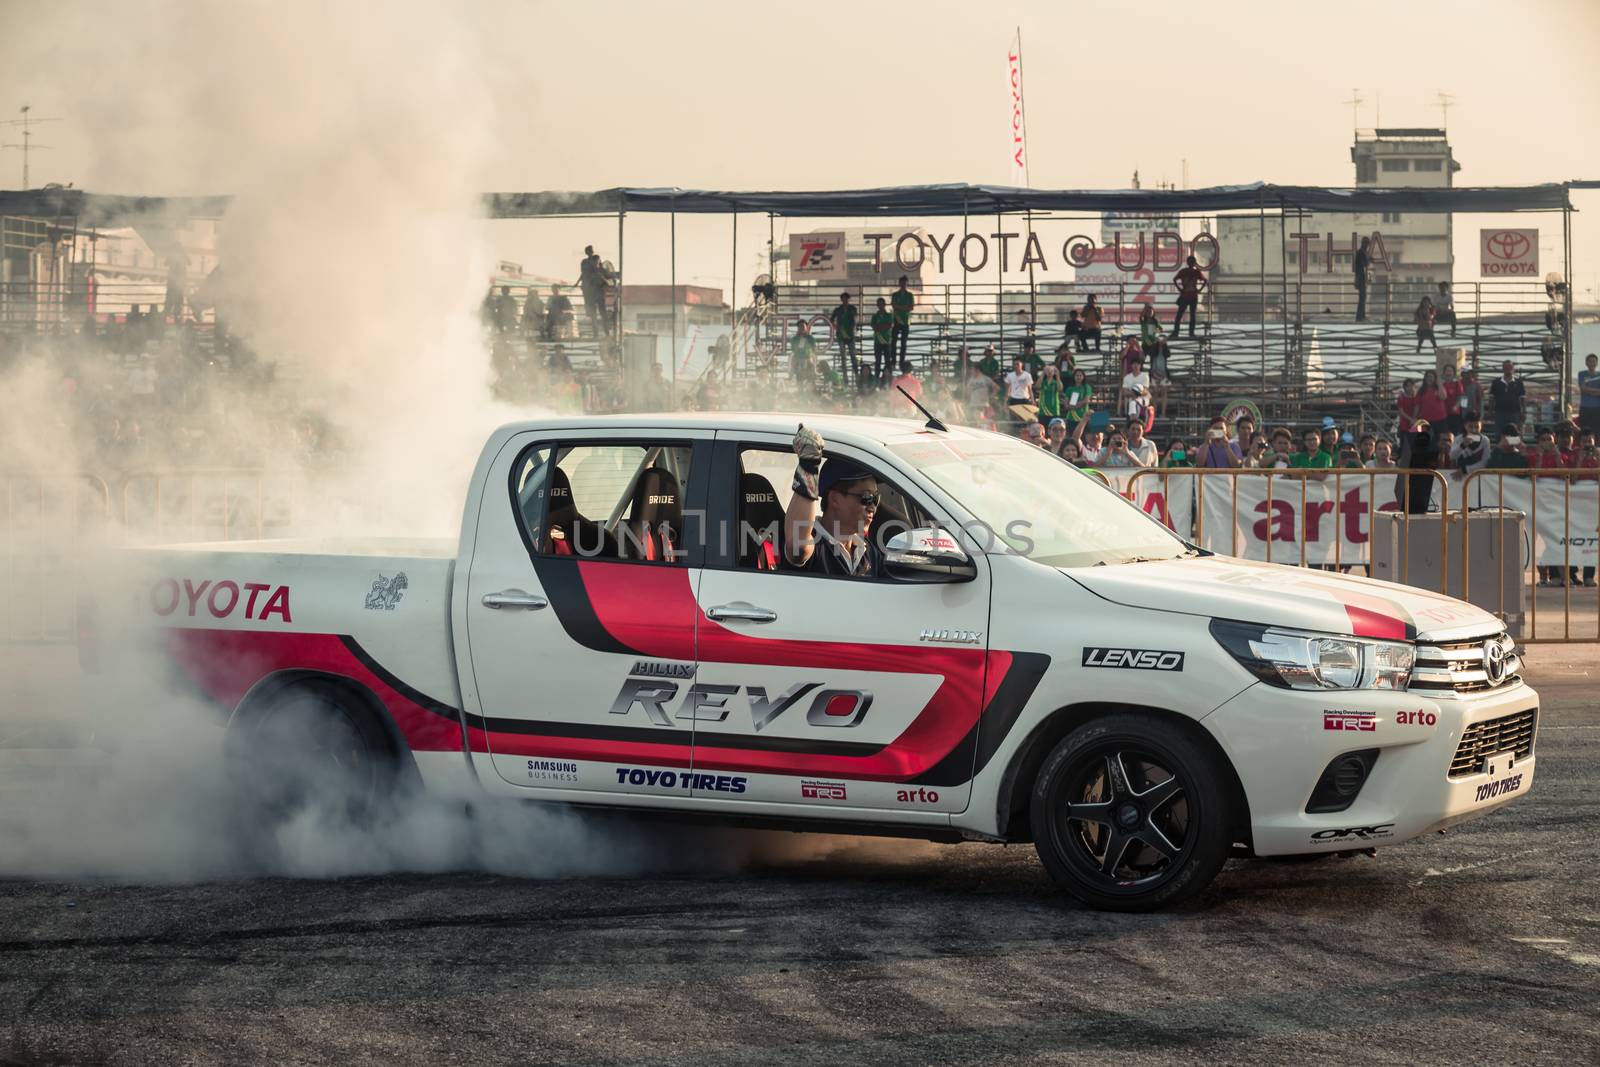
(799, 519)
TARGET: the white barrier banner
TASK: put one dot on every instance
(1172, 503)
(1567, 525)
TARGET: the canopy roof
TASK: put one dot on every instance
(98, 209)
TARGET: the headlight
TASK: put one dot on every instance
(1298, 659)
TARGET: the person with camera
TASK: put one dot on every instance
(1117, 456)
(1470, 452)
(1217, 451)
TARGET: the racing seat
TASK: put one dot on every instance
(567, 532)
(656, 521)
(760, 524)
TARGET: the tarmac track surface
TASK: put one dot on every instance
(1480, 945)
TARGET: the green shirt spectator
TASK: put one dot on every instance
(843, 318)
(989, 365)
(1049, 392)
(1318, 460)
(802, 349)
(902, 300)
(882, 327)
(1076, 401)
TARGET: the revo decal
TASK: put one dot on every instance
(220, 599)
(708, 702)
(1136, 659)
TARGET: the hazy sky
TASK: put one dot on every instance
(823, 95)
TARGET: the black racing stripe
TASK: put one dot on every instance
(977, 748)
(416, 696)
(564, 587)
(657, 736)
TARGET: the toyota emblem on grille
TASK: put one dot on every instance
(1494, 661)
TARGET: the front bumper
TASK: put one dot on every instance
(1280, 740)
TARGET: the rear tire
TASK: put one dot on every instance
(309, 749)
(1131, 813)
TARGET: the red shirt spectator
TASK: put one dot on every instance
(1409, 403)
(1431, 399)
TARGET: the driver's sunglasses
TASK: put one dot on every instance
(868, 500)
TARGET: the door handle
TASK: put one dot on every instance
(514, 598)
(740, 610)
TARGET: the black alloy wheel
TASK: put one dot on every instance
(1129, 813)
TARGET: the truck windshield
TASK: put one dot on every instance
(1039, 505)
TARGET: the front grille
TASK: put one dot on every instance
(1458, 666)
(1493, 737)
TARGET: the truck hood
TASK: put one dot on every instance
(1225, 587)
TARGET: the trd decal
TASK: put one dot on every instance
(1135, 659)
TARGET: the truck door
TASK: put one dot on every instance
(841, 693)
(580, 614)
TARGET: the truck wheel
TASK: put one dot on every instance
(308, 750)
(1130, 814)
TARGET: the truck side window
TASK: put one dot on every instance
(762, 496)
(604, 501)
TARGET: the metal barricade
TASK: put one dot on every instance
(48, 518)
(205, 504)
(1278, 504)
(1507, 492)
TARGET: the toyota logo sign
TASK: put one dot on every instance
(1513, 253)
(1494, 661)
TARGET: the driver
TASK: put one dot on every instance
(828, 515)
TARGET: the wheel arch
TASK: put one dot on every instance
(342, 690)
(1016, 785)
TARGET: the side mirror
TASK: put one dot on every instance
(927, 554)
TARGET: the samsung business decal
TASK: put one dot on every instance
(1508, 253)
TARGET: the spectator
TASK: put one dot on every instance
(883, 341)
(1178, 454)
(1141, 447)
(1149, 329)
(1423, 317)
(1074, 332)
(902, 300)
(1589, 394)
(1056, 431)
(1090, 445)
(1243, 431)
(658, 391)
(907, 381)
(843, 318)
(1444, 441)
(1567, 443)
(1071, 452)
(592, 280)
(1064, 360)
(1116, 456)
(533, 324)
(1508, 395)
(1188, 281)
(1366, 448)
(1258, 454)
(803, 356)
(1282, 450)
(980, 389)
(1444, 307)
(1312, 456)
(1075, 404)
(989, 365)
(1091, 318)
(1507, 454)
(1470, 451)
(1454, 398)
(1131, 351)
(1033, 433)
(1546, 456)
(505, 312)
(1471, 395)
(1032, 359)
(1048, 389)
(1432, 401)
(1362, 261)
(1409, 404)
(1382, 457)
(1134, 397)
(1216, 452)
(1019, 384)
(1349, 456)
(561, 323)
(1330, 435)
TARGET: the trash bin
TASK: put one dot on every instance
(1496, 568)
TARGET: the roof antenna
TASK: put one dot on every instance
(933, 420)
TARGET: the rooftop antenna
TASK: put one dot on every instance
(1445, 100)
(933, 420)
(26, 122)
(1355, 103)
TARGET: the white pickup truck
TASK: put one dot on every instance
(1036, 659)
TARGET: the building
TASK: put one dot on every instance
(1417, 247)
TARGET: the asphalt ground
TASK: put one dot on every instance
(1479, 945)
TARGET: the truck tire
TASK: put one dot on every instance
(309, 748)
(1130, 813)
